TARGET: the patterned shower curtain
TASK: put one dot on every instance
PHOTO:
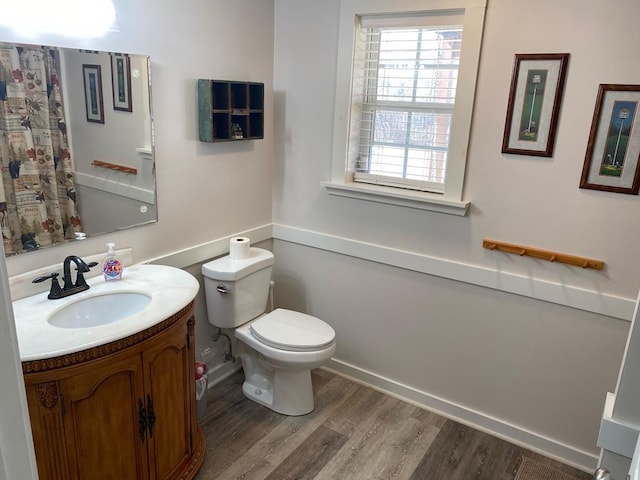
(37, 193)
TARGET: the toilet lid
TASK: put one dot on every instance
(293, 331)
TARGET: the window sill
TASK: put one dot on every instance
(395, 196)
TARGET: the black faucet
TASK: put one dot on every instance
(81, 266)
(68, 288)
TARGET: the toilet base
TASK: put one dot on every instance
(286, 391)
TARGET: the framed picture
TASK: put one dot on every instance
(93, 93)
(611, 162)
(537, 85)
(121, 82)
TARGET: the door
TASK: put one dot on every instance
(168, 374)
(101, 416)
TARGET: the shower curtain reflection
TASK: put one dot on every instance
(37, 193)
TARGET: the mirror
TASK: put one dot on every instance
(76, 145)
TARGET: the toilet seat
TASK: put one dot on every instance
(292, 331)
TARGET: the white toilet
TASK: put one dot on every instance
(277, 349)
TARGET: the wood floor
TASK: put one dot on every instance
(353, 433)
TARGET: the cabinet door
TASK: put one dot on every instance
(169, 384)
(101, 421)
(45, 412)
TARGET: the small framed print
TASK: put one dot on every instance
(93, 93)
(121, 82)
(537, 85)
(612, 159)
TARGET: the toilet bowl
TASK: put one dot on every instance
(277, 349)
(277, 365)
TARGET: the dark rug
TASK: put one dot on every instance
(534, 470)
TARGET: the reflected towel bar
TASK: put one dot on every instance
(113, 166)
(543, 254)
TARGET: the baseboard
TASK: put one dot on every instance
(529, 286)
(567, 454)
(222, 371)
(115, 186)
(214, 248)
(548, 447)
(549, 291)
(22, 285)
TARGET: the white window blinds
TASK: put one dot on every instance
(404, 90)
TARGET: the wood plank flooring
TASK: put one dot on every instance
(354, 433)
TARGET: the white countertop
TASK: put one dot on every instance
(171, 289)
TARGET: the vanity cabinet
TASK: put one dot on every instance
(230, 110)
(121, 411)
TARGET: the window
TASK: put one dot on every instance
(404, 91)
(404, 98)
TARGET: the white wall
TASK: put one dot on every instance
(519, 199)
(528, 369)
(205, 191)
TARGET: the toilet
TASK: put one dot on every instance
(277, 349)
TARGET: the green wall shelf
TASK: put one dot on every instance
(230, 111)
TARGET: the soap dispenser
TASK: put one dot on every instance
(111, 266)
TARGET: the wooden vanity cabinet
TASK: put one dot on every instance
(122, 411)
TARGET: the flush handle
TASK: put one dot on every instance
(222, 289)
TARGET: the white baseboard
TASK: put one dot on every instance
(22, 285)
(559, 293)
(566, 454)
(548, 447)
(117, 185)
(529, 286)
(222, 371)
(214, 248)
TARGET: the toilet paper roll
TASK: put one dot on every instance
(239, 248)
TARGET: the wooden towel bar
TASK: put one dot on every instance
(543, 254)
(114, 166)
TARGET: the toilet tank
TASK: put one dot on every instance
(237, 290)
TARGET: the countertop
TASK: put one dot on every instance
(171, 289)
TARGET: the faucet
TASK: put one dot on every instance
(81, 266)
(68, 288)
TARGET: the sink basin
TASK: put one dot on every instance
(108, 311)
(99, 310)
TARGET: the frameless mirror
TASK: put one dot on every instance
(76, 146)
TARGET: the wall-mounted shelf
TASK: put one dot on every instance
(543, 254)
(230, 111)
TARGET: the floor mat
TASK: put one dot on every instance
(533, 470)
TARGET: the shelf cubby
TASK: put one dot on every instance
(223, 104)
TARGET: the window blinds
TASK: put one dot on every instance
(404, 87)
